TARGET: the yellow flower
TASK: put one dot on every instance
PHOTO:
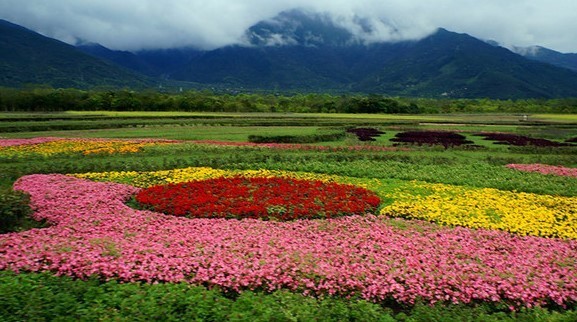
(516, 212)
(72, 146)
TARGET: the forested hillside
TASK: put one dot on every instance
(45, 100)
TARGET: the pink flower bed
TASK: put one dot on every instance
(14, 142)
(545, 169)
(378, 258)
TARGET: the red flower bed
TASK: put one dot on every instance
(264, 198)
(519, 140)
(572, 140)
(446, 139)
(366, 134)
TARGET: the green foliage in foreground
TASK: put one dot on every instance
(43, 297)
(15, 211)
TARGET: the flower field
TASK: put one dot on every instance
(258, 198)
(545, 169)
(446, 139)
(377, 258)
(518, 213)
(259, 227)
(519, 140)
(48, 146)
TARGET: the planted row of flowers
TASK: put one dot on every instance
(519, 140)
(46, 146)
(37, 140)
(545, 169)
(515, 212)
(290, 146)
(151, 178)
(94, 233)
(273, 198)
(520, 213)
(52, 146)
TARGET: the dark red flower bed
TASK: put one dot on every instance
(263, 198)
(366, 133)
(572, 140)
(519, 140)
(446, 139)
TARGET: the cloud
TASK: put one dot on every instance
(141, 24)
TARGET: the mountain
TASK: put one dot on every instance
(458, 65)
(549, 56)
(303, 51)
(298, 51)
(27, 57)
(297, 27)
(154, 63)
(122, 58)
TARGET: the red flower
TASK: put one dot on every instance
(264, 198)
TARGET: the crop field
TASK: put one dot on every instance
(287, 217)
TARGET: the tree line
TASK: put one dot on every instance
(56, 100)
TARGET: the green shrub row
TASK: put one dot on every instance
(15, 211)
(106, 123)
(297, 139)
(44, 297)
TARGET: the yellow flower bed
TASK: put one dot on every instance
(83, 146)
(147, 179)
(519, 213)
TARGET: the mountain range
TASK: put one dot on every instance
(30, 58)
(549, 56)
(301, 51)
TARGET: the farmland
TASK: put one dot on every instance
(475, 219)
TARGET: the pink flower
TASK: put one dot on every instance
(545, 169)
(94, 232)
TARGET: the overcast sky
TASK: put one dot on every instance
(139, 24)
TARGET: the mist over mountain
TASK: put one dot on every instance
(308, 51)
(312, 29)
(549, 56)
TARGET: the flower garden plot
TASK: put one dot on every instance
(94, 233)
(446, 139)
(366, 134)
(306, 147)
(54, 146)
(486, 208)
(150, 178)
(520, 213)
(258, 198)
(545, 169)
(519, 140)
(16, 142)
